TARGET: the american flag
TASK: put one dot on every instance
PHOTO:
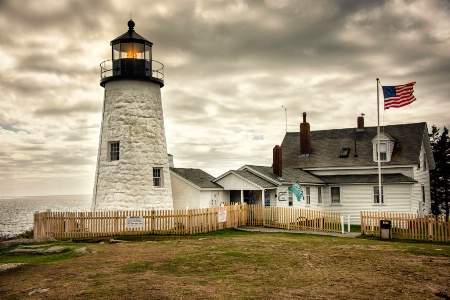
(398, 95)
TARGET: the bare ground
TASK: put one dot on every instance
(242, 266)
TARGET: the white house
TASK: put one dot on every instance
(338, 171)
(194, 188)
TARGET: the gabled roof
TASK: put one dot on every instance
(290, 175)
(197, 177)
(250, 177)
(383, 137)
(254, 178)
(327, 144)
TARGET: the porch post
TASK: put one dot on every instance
(242, 196)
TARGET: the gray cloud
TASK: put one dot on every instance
(229, 68)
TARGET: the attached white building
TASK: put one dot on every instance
(338, 171)
(194, 188)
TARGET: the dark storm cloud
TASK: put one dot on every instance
(79, 18)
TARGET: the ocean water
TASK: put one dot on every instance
(16, 213)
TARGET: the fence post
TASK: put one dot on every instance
(348, 224)
(47, 222)
(36, 227)
(264, 215)
(430, 229)
(342, 224)
(361, 221)
(190, 220)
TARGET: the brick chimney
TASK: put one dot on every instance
(305, 137)
(360, 122)
(277, 161)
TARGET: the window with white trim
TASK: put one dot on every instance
(308, 195)
(335, 195)
(383, 152)
(157, 177)
(319, 195)
(376, 195)
(114, 151)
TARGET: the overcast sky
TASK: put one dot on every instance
(230, 66)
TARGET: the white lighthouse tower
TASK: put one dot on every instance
(132, 165)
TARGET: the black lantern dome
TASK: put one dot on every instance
(131, 59)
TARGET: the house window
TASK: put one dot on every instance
(423, 193)
(319, 194)
(335, 195)
(424, 163)
(383, 152)
(291, 198)
(308, 195)
(114, 149)
(376, 195)
(157, 178)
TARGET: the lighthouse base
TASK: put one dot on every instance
(132, 166)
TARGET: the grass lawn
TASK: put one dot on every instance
(231, 264)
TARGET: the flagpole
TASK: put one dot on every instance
(378, 142)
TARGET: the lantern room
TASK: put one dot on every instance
(131, 59)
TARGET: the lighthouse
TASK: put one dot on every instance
(132, 164)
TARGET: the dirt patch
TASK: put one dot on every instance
(254, 266)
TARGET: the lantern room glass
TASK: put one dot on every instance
(131, 50)
(148, 52)
(116, 51)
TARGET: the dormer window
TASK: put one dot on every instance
(386, 147)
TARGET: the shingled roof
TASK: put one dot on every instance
(366, 179)
(254, 178)
(326, 146)
(197, 176)
(290, 175)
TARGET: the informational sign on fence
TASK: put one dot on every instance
(222, 216)
(134, 222)
(282, 196)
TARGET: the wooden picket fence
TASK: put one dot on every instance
(110, 223)
(180, 222)
(294, 218)
(410, 226)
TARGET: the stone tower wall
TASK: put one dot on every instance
(132, 116)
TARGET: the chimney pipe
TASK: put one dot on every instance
(305, 137)
(360, 122)
(277, 161)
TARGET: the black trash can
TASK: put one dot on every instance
(385, 229)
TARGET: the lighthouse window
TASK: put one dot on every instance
(114, 148)
(157, 178)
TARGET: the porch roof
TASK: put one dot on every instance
(367, 179)
(255, 179)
